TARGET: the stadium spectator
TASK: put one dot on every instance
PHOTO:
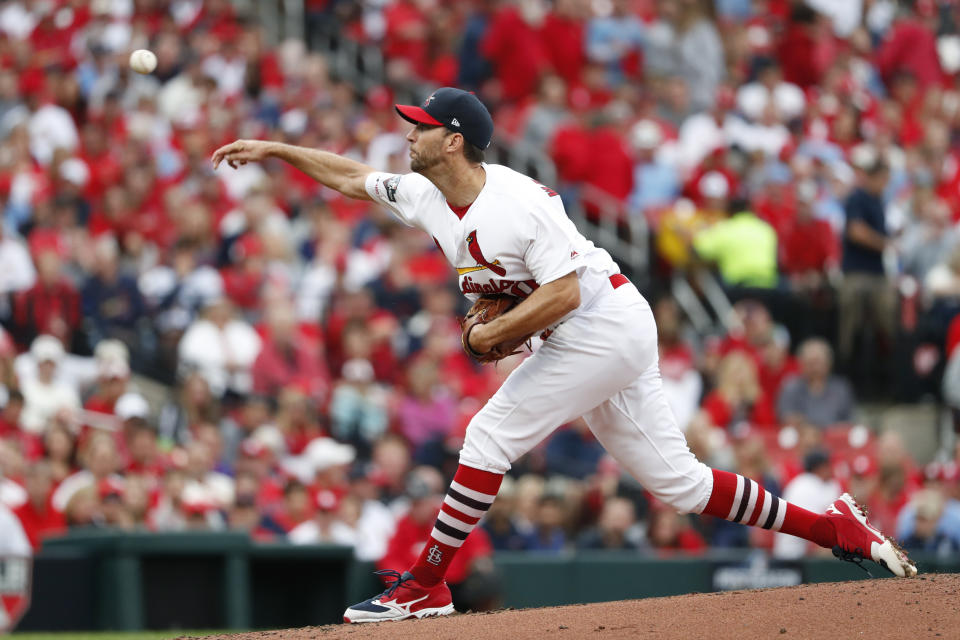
(514, 50)
(113, 508)
(46, 397)
(358, 408)
(910, 47)
(616, 529)
(10, 426)
(738, 397)
(51, 306)
(563, 35)
(548, 534)
(929, 239)
(942, 284)
(573, 451)
(113, 375)
(684, 42)
(37, 515)
(743, 246)
(656, 183)
(101, 462)
(815, 396)
(548, 112)
(616, 41)
(682, 382)
(425, 414)
(813, 489)
(375, 522)
(669, 532)
(139, 438)
(506, 532)
(926, 533)
(327, 526)
(18, 272)
(865, 297)
(808, 246)
(297, 506)
(245, 515)
(896, 480)
(941, 484)
(222, 348)
(111, 301)
(769, 90)
(288, 357)
(193, 404)
(138, 490)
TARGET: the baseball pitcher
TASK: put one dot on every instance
(531, 273)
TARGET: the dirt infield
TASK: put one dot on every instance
(923, 607)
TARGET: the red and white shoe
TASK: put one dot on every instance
(858, 539)
(403, 599)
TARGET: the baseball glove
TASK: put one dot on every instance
(485, 309)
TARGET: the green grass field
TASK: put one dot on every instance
(109, 635)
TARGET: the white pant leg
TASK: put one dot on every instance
(587, 360)
(639, 429)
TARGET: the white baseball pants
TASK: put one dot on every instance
(601, 364)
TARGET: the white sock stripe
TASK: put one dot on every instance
(450, 541)
(754, 492)
(464, 509)
(470, 493)
(781, 514)
(765, 509)
(736, 498)
(448, 519)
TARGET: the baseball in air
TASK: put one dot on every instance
(143, 61)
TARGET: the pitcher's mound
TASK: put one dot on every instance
(923, 607)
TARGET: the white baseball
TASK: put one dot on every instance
(143, 61)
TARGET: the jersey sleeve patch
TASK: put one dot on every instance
(385, 189)
(390, 186)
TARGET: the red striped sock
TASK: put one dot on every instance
(470, 495)
(740, 499)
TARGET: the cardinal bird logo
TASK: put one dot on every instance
(473, 246)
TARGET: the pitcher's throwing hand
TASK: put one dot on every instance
(240, 152)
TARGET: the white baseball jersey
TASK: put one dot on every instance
(601, 361)
(514, 238)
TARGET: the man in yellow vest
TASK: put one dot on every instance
(743, 246)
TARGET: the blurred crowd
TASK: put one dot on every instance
(184, 349)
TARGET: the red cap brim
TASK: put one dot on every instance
(416, 115)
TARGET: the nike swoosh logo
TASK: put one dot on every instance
(479, 267)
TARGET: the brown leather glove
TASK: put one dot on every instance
(485, 309)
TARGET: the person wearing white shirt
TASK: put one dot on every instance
(221, 348)
(100, 462)
(16, 268)
(814, 489)
(45, 396)
(51, 127)
(326, 527)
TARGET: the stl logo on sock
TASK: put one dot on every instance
(434, 555)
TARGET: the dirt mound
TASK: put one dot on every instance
(923, 607)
